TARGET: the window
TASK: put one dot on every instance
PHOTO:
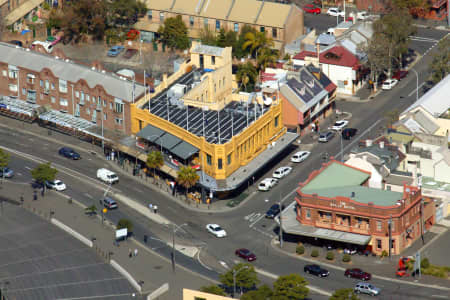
(208, 159)
(229, 159)
(110, 105)
(82, 98)
(77, 94)
(53, 86)
(213, 60)
(41, 83)
(215, 87)
(308, 214)
(105, 116)
(24, 91)
(149, 14)
(205, 22)
(4, 73)
(31, 96)
(379, 244)
(87, 98)
(219, 164)
(161, 17)
(46, 86)
(53, 99)
(13, 70)
(262, 29)
(274, 33)
(30, 78)
(118, 103)
(217, 25)
(13, 87)
(191, 21)
(378, 225)
(88, 111)
(63, 102)
(63, 86)
(77, 110)
(236, 27)
(94, 116)
(104, 102)
(119, 121)
(392, 244)
(276, 121)
(199, 298)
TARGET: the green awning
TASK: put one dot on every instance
(184, 150)
(150, 133)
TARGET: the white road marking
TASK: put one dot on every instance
(422, 39)
(89, 196)
(247, 217)
(257, 220)
(414, 90)
(28, 168)
(224, 264)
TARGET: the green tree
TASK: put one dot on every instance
(267, 56)
(187, 177)
(440, 66)
(125, 12)
(291, 286)
(239, 51)
(207, 37)
(230, 39)
(155, 161)
(221, 38)
(264, 292)
(174, 33)
(44, 172)
(4, 161)
(247, 76)
(255, 41)
(391, 117)
(91, 210)
(245, 276)
(377, 56)
(417, 8)
(213, 289)
(344, 294)
(125, 223)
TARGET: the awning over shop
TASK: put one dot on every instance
(184, 150)
(169, 141)
(150, 133)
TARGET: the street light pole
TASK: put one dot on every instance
(175, 228)
(235, 272)
(390, 236)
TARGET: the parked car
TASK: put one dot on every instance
(55, 185)
(109, 203)
(267, 184)
(326, 136)
(245, 254)
(358, 274)
(334, 11)
(388, 84)
(281, 172)
(300, 156)
(107, 176)
(6, 173)
(16, 42)
(348, 133)
(362, 15)
(366, 288)
(216, 230)
(312, 9)
(69, 153)
(338, 125)
(316, 270)
(114, 51)
(350, 251)
(273, 211)
(129, 53)
(400, 74)
(46, 45)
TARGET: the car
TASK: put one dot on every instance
(46, 45)
(312, 9)
(6, 173)
(273, 211)
(389, 84)
(300, 156)
(348, 133)
(16, 42)
(350, 251)
(400, 74)
(55, 185)
(216, 230)
(281, 172)
(362, 15)
(334, 11)
(326, 136)
(267, 184)
(245, 254)
(316, 270)
(129, 53)
(366, 288)
(69, 153)
(109, 203)
(339, 125)
(358, 274)
(115, 50)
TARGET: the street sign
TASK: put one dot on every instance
(105, 210)
(121, 233)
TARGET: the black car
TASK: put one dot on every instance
(316, 270)
(69, 153)
(273, 211)
(348, 133)
(16, 42)
(37, 185)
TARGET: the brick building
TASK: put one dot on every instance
(60, 84)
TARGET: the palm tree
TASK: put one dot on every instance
(257, 41)
(246, 74)
(155, 160)
(187, 177)
(266, 57)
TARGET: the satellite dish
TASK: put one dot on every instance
(267, 101)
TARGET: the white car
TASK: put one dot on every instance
(281, 172)
(107, 176)
(389, 84)
(300, 156)
(267, 184)
(362, 15)
(56, 185)
(334, 11)
(216, 230)
(339, 125)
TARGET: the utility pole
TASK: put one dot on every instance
(175, 228)
(421, 220)
(390, 236)
(281, 226)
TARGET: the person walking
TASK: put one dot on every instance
(155, 209)
(130, 254)
(135, 252)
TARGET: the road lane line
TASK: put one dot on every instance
(28, 168)
(257, 220)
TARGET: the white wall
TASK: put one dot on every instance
(339, 73)
(375, 180)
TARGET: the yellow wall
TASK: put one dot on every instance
(194, 295)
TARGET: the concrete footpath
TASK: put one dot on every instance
(148, 271)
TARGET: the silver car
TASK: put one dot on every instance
(366, 288)
(326, 136)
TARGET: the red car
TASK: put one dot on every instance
(245, 254)
(400, 74)
(357, 273)
(311, 9)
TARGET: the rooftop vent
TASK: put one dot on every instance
(353, 194)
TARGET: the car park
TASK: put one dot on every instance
(216, 230)
(326, 136)
(107, 176)
(388, 84)
(312, 9)
(358, 274)
(55, 185)
(267, 184)
(281, 172)
(334, 11)
(316, 270)
(300, 156)
(400, 74)
(348, 133)
(245, 254)
(339, 125)
(6, 173)
(114, 51)
(273, 211)
(69, 153)
(366, 288)
(109, 203)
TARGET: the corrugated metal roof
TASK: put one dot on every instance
(159, 4)
(216, 9)
(208, 50)
(245, 11)
(429, 125)
(325, 39)
(274, 14)
(186, 6)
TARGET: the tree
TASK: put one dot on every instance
(4, 161)
(221, 38)
(291, 286)
(267, 56)
(91, 210)
(255, 41)
(125, 223)
(264, 292)
(239, 51)
(344, 294)
(245, 276)
(440, 66)
(417, 8)
(213, 289)
(247, 76)
(174, 33)
(392, 117)
(377, 56)
(43, 173)
(125, 12)
(187, 177)
(207, 37)
(155, 161)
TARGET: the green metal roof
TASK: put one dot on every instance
(336, 175)
(398, 137)
(362, 194)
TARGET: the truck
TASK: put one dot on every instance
(107, 176)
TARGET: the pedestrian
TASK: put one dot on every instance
(135, 252)
(313, 127)
(150, 206)
(35, 196)
(155, 208)
(130, 254)
(42, 192)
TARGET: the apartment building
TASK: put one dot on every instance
(282, 22)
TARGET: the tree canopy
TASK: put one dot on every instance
(4, 159)
(125, 223)
(155, 160)
(344, 294)
(44, 172)
(245, 276)
(440, 66)
(247, 75)
(289, 287)
(213, 289)
(264, 292)
(174, 33)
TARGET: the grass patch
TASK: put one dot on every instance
(236, 201)
(436, 271)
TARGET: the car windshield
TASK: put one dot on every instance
(338, 123)
(59, 183)
(217, 228)
(112, 176)
(245, 251)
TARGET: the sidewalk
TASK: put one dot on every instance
(148, 269)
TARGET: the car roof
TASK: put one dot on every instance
(214, 225)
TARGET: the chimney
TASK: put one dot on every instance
(368, 143)
(364, 157)
(317, 50)
(381, 145)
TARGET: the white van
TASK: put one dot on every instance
(107, 176)
(46, 45)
